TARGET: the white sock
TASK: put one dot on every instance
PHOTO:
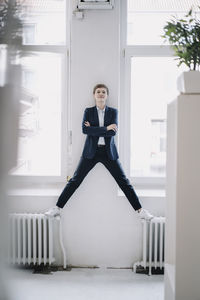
(58, 207)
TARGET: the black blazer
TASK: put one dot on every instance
(94, 131)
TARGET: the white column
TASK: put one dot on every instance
(182, 247)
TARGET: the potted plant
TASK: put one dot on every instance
(10, 80)
(184, 36)
(10, 32)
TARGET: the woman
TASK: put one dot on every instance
(100, 125)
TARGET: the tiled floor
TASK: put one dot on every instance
(85, 284)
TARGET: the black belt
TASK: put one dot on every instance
(101, 145)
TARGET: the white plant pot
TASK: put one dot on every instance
(189, 82)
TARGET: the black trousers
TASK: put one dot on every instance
(113, 166)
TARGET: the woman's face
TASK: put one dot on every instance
(100, 96)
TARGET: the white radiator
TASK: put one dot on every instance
(153, 244)
(31, 239)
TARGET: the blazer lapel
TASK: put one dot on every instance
(96, 117)
(106, 116)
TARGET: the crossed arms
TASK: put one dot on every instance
(96, 130)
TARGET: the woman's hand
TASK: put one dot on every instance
(87, 123)
(112, 127)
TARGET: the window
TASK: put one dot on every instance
(42, 141)
(44, 22)
(39, 138)
(148, 83)
(146, 19)
(153, 85)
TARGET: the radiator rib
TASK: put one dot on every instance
(153, 244)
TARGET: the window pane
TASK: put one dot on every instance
(153, 85)
(146, 19)
(40, 116)
(44, 22)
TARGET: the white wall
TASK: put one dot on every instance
(99, 227)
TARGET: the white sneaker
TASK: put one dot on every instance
(53, 212)
(144, 214)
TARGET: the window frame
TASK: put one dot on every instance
(66, 132)
(126, 54)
